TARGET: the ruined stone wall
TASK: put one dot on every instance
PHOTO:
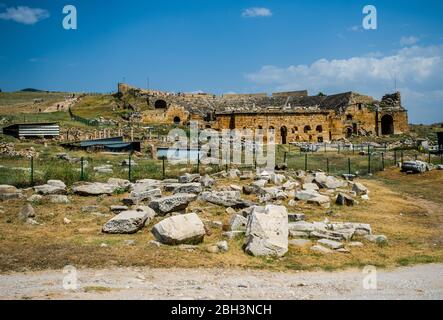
(171, 115)
(292, 123)
(356, 119)
(300, 93)
(401, 123)
(236, 96)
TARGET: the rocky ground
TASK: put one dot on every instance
(264, 220)
(215, 229)
(419, 282)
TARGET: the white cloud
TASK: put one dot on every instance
(408, 41)
(415, 69)
(25, 15)
(256, 12)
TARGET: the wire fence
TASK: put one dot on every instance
(23, 172)
(88, 122)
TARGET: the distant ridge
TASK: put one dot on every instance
(31, 90)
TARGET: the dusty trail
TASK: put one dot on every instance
(60, 106)
(418, 282)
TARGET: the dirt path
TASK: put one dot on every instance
(418, 282)
(60, 106)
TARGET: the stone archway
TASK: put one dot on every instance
(387, 125)
(284, 134)
(232, 122)
(160, 104)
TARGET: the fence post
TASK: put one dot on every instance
(32, 171)
(306, 162)
(327, 165)
(82, 176)
(395, 157)
(429, 156)
(198, 162)
(130, 166)
(325, 146)
(382, 161)
(339, 148)
(163, 167)
(369, 163)
(226, 161)
(353, 150)
(401, 156)
(284, 158)
(349, 165)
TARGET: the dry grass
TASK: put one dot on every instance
(413, 228)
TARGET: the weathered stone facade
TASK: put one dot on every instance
(293, 116)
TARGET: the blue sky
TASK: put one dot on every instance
(217, 46)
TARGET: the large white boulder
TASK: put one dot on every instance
(9, 192)
(94, 189)
(172, 203)
(122, 183)
(129, 221)
(51, 187)
(333, 183)
(359, 189)
(136, 197)
(145, 185)
(225, 198)
(181, 229)
(306, 194)
(188, 178)
(192, 187)
(267, 231)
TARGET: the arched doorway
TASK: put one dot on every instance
(160, 104)
(177, 120)
(232, 122)
(387, 125)
(284, 134)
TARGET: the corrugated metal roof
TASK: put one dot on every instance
(90, 143)
(32, 129)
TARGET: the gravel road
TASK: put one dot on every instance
(418, 282)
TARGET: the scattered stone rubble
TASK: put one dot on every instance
(267, 230)
(8, 149)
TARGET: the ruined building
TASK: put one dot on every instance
(293, 116)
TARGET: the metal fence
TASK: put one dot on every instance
(85, 121)
(24, 172)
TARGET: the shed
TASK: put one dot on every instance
(115, 144)
(33, 130)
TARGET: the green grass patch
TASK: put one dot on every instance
(417, 259)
